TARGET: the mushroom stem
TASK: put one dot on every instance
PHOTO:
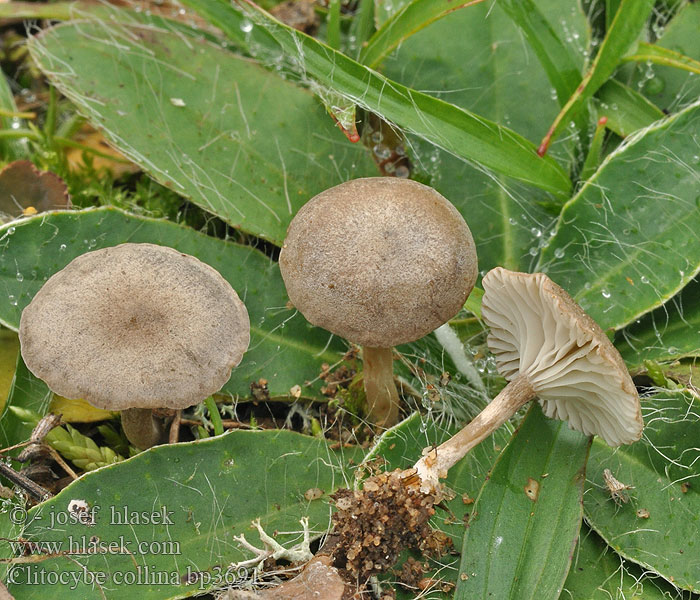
(437, 461)
(380, 389)
(142, 428)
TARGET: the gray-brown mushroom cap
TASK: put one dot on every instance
(379, 261)
(135, 326)
(538, 330)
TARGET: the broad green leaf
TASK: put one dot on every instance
(666, 86)
(527, 516)
(458, 131)
(9, 348)
(626, 109)
(74, 10)
(402, 446)
(230, 136)
(622, 33)
(284, 349)
(668, 333)
(476, 58)
(405, 22)
(628, 241)
(205, 493)
(659, 525)
(598, 573)
(26, 392)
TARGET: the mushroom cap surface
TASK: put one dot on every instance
(538, 330)
(379, 261)
(135, 326)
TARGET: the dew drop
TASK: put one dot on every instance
(62, 247)
(654, 85)
(10, 231)
(12, 300)
(246, 26)
(605, 293)
(512, 221)
(644, 279)
(377, 137)
(533, 251)
(536, 232)
(402, 172)
(381, 151)
(559, 253)
(20, 277)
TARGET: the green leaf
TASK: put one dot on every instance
(663, 56)
(230, 136)
(284, 348)
(598, 573)
(622, 33)
(10, 149)
(522, 533)
(561, 63)
(659, 526)
(626, 110)
(593, 157)
(405, 22)
(204, 493)
(27, 392)
(456, 130)
(668, 333)
(9, 349)
(475, 58)
(628, 241)
(666, 86)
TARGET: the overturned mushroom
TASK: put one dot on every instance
(380, 261)
(545, 345)
(133, 328)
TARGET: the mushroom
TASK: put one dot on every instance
(545, 345)
(380, 261)
(132, 328)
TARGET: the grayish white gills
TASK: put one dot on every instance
(380, 261)
(135, 326)
(538, 331)
(546, 347)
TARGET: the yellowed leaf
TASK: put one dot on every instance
(78, 411)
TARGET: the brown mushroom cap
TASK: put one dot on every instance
(379, 261)
(135, 326)
(538, 330)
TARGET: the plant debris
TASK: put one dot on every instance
(375, 524)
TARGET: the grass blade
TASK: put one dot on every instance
(409, 20)
(454, 129)
(663, 56)
(561, 66)
(594, 152)
(624, 30)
